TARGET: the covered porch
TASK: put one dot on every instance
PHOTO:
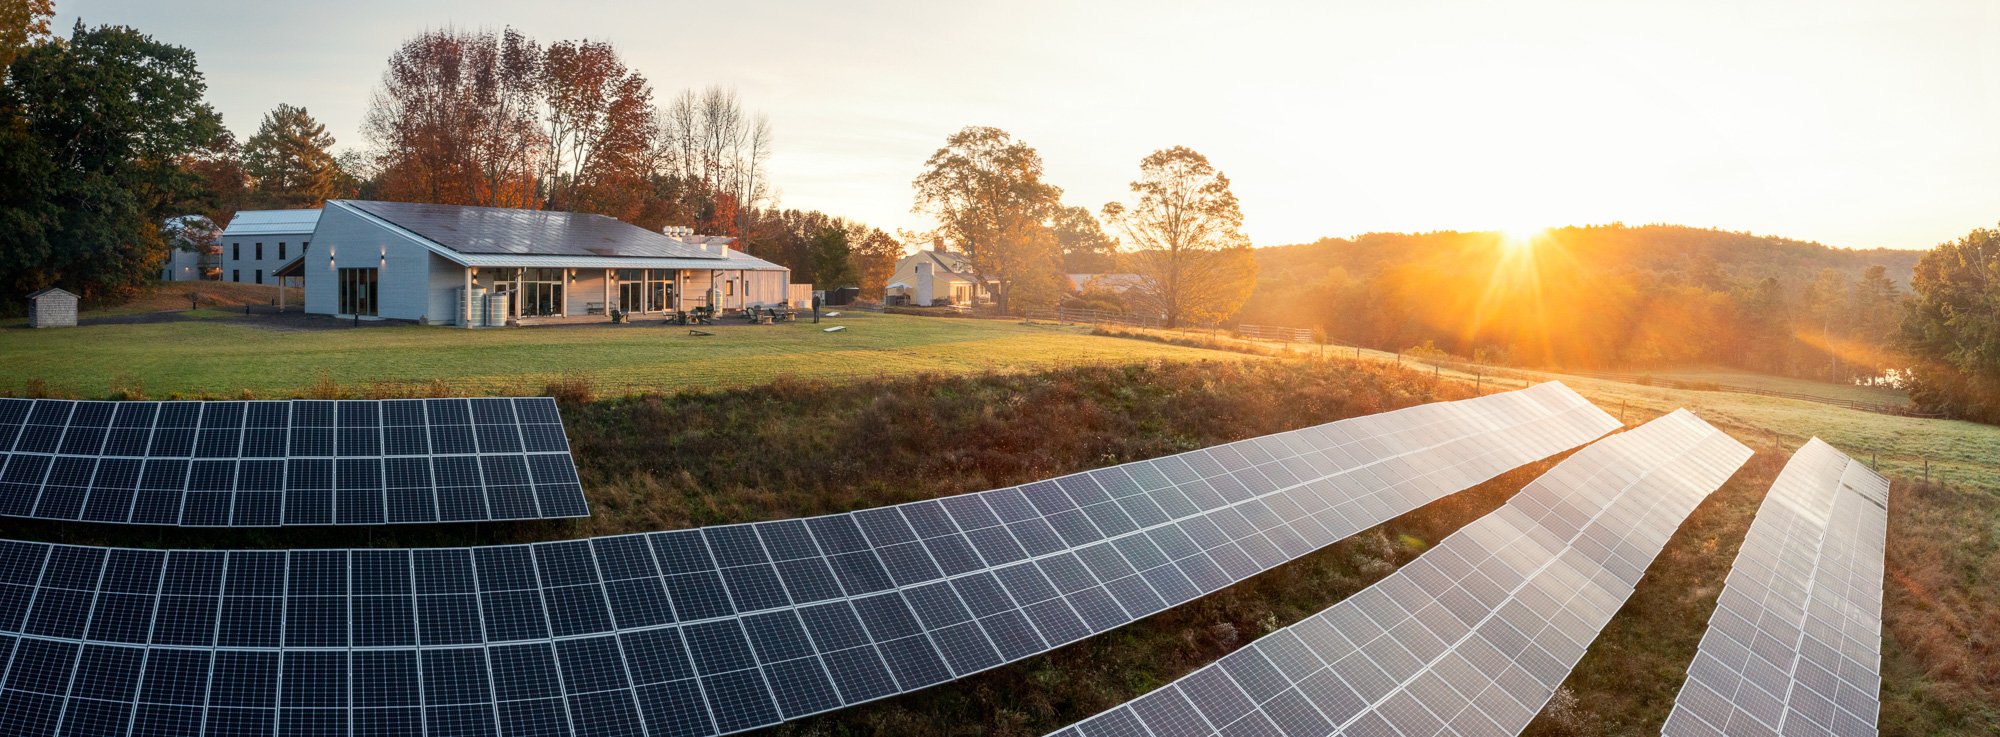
(558, 295)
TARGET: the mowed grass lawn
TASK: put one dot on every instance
(228, 355)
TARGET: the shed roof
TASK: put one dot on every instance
(271, 222)
(500, 230)
(52, 290)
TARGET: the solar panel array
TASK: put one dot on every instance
(298, 462)
(720, 629)
(1473, 637)
(1794, 646)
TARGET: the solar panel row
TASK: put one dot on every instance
(725, 628)
(1474, 636)
(298, 462)
(1794, 646)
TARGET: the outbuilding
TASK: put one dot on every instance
(440, 263)
(52, 308)
(259, 242)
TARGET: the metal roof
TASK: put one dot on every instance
(733, 263)
(271, 222)
(505, 231)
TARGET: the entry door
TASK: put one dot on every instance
(631, 296)
(663, 296)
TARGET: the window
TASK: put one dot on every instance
(236, 275)
(260, 251)
(729, 287)
(357, 292)
(281, 250)
(260, 276)
(236, 250)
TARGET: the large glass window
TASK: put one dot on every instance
(660, 291)
(357, 292)
(541, 293)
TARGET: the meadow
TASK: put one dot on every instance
(223, 353)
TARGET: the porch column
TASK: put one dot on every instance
(607, 294)
(465, 300)
(514, 300)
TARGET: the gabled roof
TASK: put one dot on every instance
(271, 222)
(506, 237)
(52, 290)
(956, 263)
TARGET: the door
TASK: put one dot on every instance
(631, 297)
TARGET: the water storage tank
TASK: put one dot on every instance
(496, 309)
(471, 307)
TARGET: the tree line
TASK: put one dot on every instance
(1182, 229)
(1600, 297)
(113, 144)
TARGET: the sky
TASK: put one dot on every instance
(1857, 124)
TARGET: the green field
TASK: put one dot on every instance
(221, 353)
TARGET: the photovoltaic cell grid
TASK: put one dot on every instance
(1794, 646)
(298, 462)
(1473, 637)
(719, 629)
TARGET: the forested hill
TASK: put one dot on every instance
(1596, 297)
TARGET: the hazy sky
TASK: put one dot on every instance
(1852, 123)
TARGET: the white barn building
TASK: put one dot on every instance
(437, 263)
(257, 242)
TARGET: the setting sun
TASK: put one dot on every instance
(1518, 239)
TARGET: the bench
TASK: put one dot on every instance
(593, 308)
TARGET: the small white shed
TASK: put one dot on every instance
(52, 308)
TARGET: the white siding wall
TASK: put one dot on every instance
(356, 243)
(588, 288)
(447, 279)
(247, 266)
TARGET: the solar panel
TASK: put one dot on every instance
(1474, 636)
(1794, 646)
(297, 462)
(729, 628)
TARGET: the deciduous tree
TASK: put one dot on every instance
(291, 162)
(1952, 328)
(875, 257)
(601, 129)
(1195, 265)
(986, 191)
(455, 120)
(99, 130)
(22, 23)
(1085, 246)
